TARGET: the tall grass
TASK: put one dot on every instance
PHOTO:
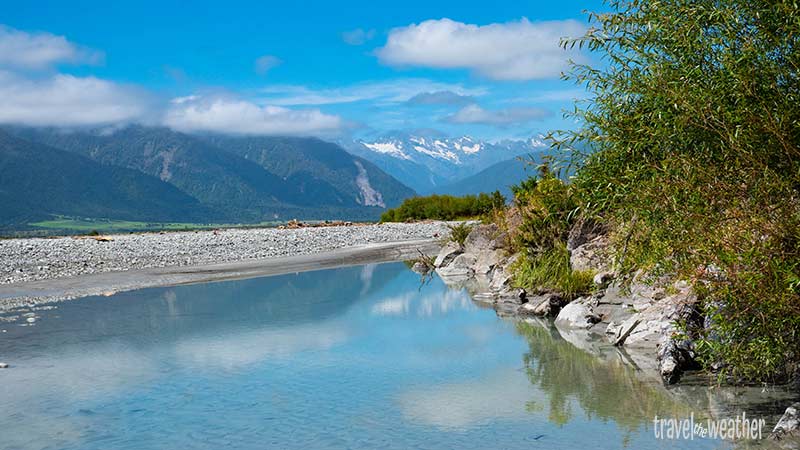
(551, 271)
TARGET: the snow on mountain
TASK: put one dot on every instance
(388, 148)
(454, 150)
(426, 163)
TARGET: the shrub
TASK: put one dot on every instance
(445, 207)
(551, 271)
(459, 233)
(548, 208)
(694, 121)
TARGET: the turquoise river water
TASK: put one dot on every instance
(352, 358)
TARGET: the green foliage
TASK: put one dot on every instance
(459, 233)
(444, 207)
(551, 271)
(548, 208)
(694, 123)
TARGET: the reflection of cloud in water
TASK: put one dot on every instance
(503, 394)
(79, 375)
(394, 306)
(366, 277)
(64, 380)
(75, 378)
(428, 306)
(236, 350)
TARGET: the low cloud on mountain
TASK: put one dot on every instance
(235, 116)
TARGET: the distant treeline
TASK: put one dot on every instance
(445, 207)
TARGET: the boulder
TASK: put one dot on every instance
(658, 318)
(788, 425)
(501, 276)
(674, 357)
(593, 255)
(624, 330)
(577, 315)
(484, 238)
(545, 305)
(487, 260)
(461, 266)
(447, 254)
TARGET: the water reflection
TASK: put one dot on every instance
(358, 357)
(607, 389)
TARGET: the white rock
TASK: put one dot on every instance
(447, 254)
(487, 261)
(789, 423)
(578, 315)
(462, 265)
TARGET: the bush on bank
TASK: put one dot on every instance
(694, 122)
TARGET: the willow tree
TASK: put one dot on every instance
(693, 120)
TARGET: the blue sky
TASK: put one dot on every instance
(333, 69)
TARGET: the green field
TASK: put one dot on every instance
(88, 225)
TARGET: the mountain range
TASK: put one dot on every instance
(430, 164)
(38, 180)
(156, 174)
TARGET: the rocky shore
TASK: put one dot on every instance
(638, 315)
(25, 260)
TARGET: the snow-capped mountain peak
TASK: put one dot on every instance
(425, 161)
(391, 148)
(452, 150)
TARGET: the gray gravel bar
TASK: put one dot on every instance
(37, 270)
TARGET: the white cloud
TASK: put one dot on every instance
(520, 50)
(66, 100)
(233, 116)
(25, 50)
(358, 36)
(474, 114)
(390, 91)
(266, 63)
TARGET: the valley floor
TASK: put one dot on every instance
(40, 270)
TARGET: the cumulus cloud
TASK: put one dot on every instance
(234, 116)
(20, 49)
(358, 36)
(66, 100)
(266, 63)
(520, 50)
(474, 114)
(389, 91)
(440, 98)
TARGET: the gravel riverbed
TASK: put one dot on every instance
(39, 259)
